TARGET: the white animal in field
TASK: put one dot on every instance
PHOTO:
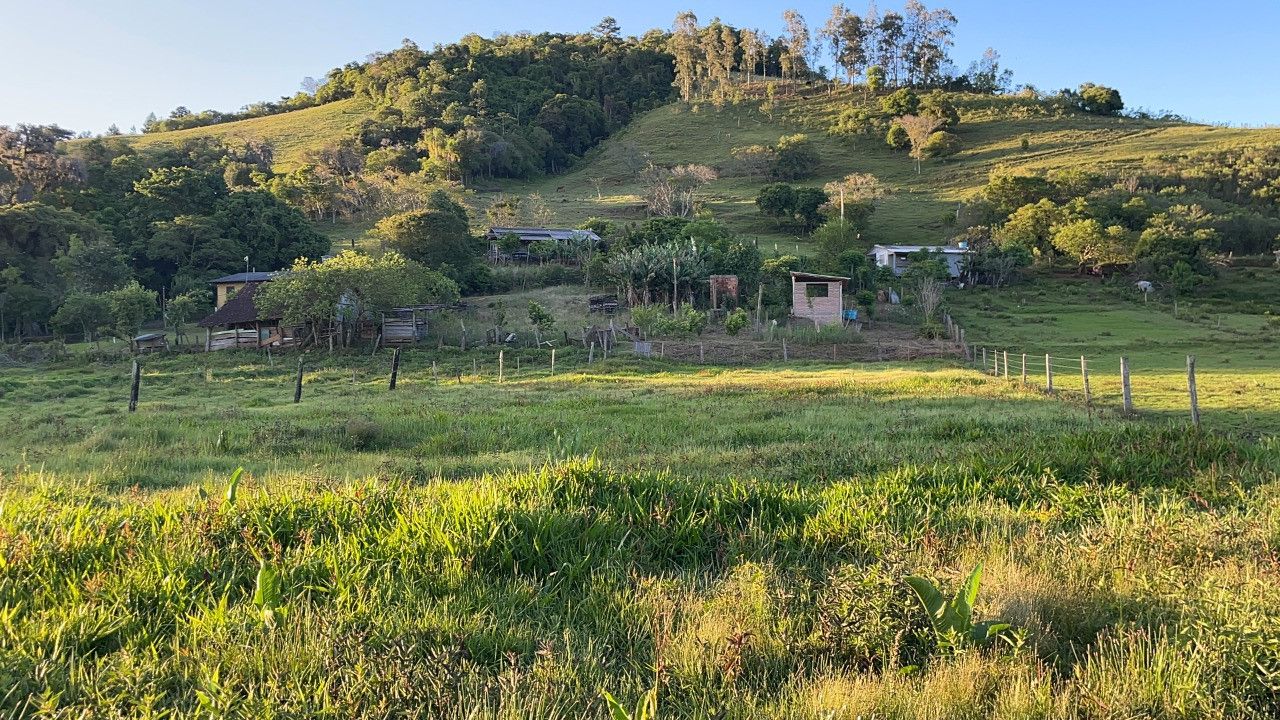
(1145, 286)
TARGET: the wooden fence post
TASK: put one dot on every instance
(1191, 390)
(135, 382)
(1006, 364)
(1024, 368)
(553, 361)
(984, 359)
(500, 360)
(1048, 375)
(297, 384)
(1125, 389)
(785, 357)
(1084, 373)
(435, 378)
(395, 368)
(701, 354)
(591, 353)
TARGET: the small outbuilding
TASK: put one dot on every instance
(151, 342)
(819, 298)
(898, 257)
(237, 323)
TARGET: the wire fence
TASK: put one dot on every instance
(1077, 378)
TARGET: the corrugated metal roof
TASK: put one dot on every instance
(814, 277)
(532, 233)
(244, 277)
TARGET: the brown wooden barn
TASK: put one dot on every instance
(819, 298)
(237, 322)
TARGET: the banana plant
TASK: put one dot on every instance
(234, 485)
(268, 593)
(646, 707)
(952, 619)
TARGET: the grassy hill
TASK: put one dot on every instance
(607, 183)
(293, 133)
(991, 132)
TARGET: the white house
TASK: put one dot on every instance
(898, 257)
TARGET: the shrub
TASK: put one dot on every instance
(362, 433)
(900, 102)
(897, 137)
(932, 330)
(736, 321)
(942, 144)
(647, 318)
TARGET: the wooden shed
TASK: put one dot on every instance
(819, 298)
(405, 326)
(151, 342)
(237, 323)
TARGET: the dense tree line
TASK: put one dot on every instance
(102, 218)
(1168, 221)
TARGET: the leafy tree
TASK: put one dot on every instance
(1099, 99)
(919, 129)
(1031, 226)
(130, 307)
(84, 313)
(94, 265)
(1008, 191)
(835, 239)
(942, 144)
(939, 105)
(875, 79)
(311, 292)
(897, 137)
(777, 200)
(900, 102)
(541, 320)
(1091, 244)
(433, 237)
(794, 157)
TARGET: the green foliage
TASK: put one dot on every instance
(434, 237)
(735, 321)
(541, 319)
(83, 313)
(901, 102)
(130, 307)
(941, 144)
(897, 137)
(646, 707)
(952, 619)
(794, 157)
(939, 105)
(268, 593)
(801, 207)
(233, 485)
(1098, 99)
(1092, 245)
(310, 293)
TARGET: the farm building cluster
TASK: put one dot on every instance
(238, 321)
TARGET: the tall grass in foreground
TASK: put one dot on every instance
(1138, 563)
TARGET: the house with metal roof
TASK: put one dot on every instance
(512, 243)
(898, 257)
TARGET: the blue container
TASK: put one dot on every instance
(851, 314)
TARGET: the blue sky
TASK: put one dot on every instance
(86, 64)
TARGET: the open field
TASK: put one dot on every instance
(735, 538)
(1230, 327)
